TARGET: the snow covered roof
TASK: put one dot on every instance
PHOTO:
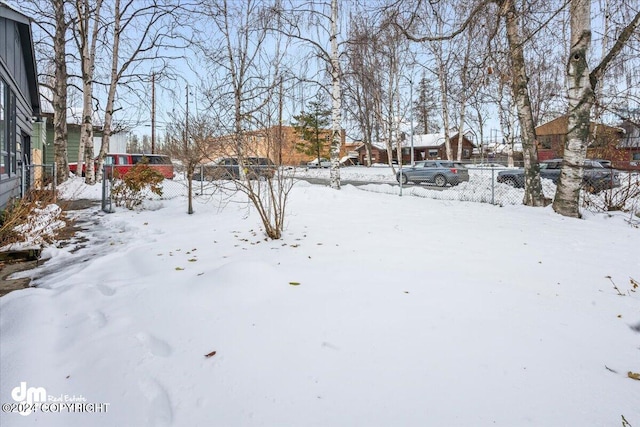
(419, 141)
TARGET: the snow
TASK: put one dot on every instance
(372, 310)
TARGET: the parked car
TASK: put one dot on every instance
(229, 168)
(604, 162)
(486, 166)
(596, 177)
(319, 163)
(121, 163)
(438, 172)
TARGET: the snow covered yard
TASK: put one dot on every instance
(373, 310)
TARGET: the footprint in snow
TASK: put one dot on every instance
(154, 345)
(158, 404)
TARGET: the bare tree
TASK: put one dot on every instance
(425, 107)
(291, 22)
(191, 140)
(60, 91)
(581, 91)
(533, 195)
(245, 79)
(363, 87)
(53, 20)
(506, 10)
(140, 31)
(442, 66)
(87, 29)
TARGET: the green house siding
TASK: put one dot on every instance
(73, 142)
(39, 137)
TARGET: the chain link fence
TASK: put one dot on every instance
(485, 185)
(170, 189)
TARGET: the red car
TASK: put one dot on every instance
(123, 162)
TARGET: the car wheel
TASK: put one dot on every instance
(510, 181)
(440, 180)
(403, 179)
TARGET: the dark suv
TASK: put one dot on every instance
(596, 177)
(229, 168)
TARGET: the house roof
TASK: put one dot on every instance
(562, 122)
(24, 29)
(430, 140)
(631, 139)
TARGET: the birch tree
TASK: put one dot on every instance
(140, 31)
(87, 28)
(295, 21)
(359, 81)
(52, 20)
(425, 107)
(511, 16)
(245, 77)
(533, 195)
(336, 99)
(465, 88)
(438, 49)
(581, 91)
(60, 92)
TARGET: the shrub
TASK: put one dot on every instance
(17, 219)
(131, 189)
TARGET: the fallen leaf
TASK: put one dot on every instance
(633, 375)
(294, 283)
(192, 260)
(179, 268)
(213, 353)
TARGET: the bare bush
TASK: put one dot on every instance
(132, 188)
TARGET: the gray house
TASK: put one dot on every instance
(19, 99)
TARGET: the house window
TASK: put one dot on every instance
(3, 127)
(8, 127)
(466, 153)
(433, 153)
(545, 142)
(12, 125)
(636, 156)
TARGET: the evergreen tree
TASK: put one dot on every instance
(312, 128)
(426, 108)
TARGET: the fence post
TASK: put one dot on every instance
(493, 186)
(107, 183)
(53, 184)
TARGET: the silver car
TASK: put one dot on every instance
(438, 172)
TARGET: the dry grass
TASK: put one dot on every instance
(17, 220)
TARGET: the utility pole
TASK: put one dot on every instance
(411, 115)
(153, 113)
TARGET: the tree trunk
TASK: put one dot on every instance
(367, 149)
(461, 130)
(581, 92)
(60, 94)
(444, 92)
(581, 98)
(108, 112)
(87, 47)
(336, 113)
(533, 195)
(464, 78)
